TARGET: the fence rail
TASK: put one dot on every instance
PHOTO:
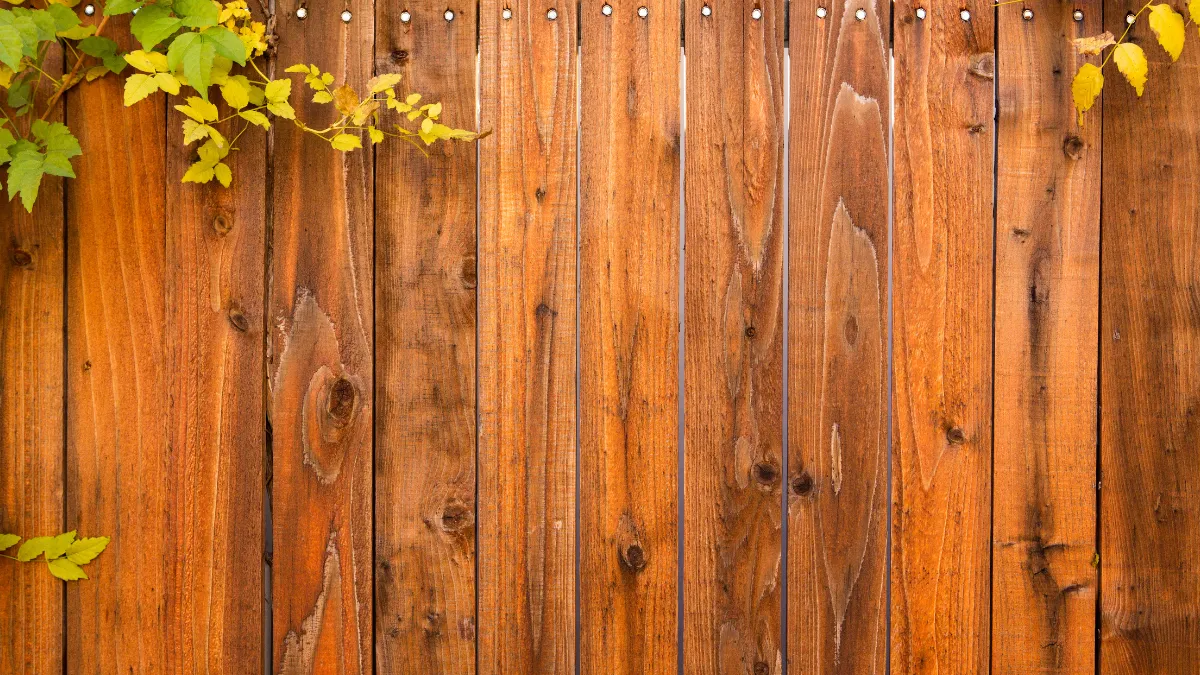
(781, 352)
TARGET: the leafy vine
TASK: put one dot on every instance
(64, 555)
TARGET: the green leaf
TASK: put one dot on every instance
(114, 7)
(58, 165)
(33, 547)
(197, 13)
(56, 138)
(153, 24)
(42, 20)
(64, 18)
(345, 142)
(255, 117)
(6, 141)
(138, 87)
(7, 541)
(226, 43)
(58, 545)
(198, 65)
(78, 32)
(12, 46)
(66, 570)
(98, 46)
(85, 550)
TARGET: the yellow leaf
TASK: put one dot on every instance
(255, 117)
(376, 137)
(298, 68)
(427, 125)
(83, 30)
(1194, 12)
(58, 545)
(364, 112)
(167, 82)
(1086, 87)
(1131, 61)
(235, 94)
(322, 97)
(345, 142)
(66, 570)
(194, 131)
(83, 551)
(197, 109)
(1096, 43)
(200, 172)
(223, 174)
(413, 99)
(433, 110)
(138, 87)
(381, 83)
(278, 91)
(32, 548)
(344, 99)
(141, 60)
(7, 541)
(6, 76)
(282, 109)
(96, 72)
(1168, 25)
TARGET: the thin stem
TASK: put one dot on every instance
(69, 80)
(1128, 27)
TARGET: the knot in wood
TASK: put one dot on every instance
(765, 473)
(955, 436)
(238, 320)
(340, 405)
(399, 55)
(87, 365)
(802, 484)
(761, 668)
(1073, 147)
(221, 225)
(539, 194)
(467, 273)
(21, 257)
(983, 65)
(456, 516)
(751, 331)
(634, 557)
(850, 330)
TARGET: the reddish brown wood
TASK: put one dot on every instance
(1150, 355)
(321, 321)
(425, 356)
(838, 281)
(733, 283)
(942, 335)
(1047, 301)
(527, 338)
(628, 339)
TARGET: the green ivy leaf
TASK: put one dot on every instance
(197, 13)
(64, 18)
(66, 570)
(226, 43)
(12, 46)
(33, 547)
(97, 46)
(85, 550)
(153, 24)
(195, 56)
(114, 7)
(7, 541)
(6, 141)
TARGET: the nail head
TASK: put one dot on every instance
(643, 12)
(1130, 18)
(921, 13)
(1078, 15)
(301, 13)
(89, 10)
(706, 11)
(552, 14)
(860, 14)
(507, 14)
(821, 12)
(965, 15)
(449, 15)
(1027, 15)
(135, 11)
(606, 10)
(756, 14)
(405, 17)
(346, 16)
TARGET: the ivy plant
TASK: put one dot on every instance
(189, 49)
(63, 554)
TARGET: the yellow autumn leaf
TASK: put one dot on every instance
(84, 550)
(138, 87)
(1168, 25)
(200, 172)
(1089, 81)
(322, 97)
(96, 72)
(6, 75)
(7, 541)
(194, 131)
(197, 109)
(381, 83)
(235, 94)
(141, 60)
(1194, 11)
(223, 174)
(255, 117)
(345, 99)
(1096, 43)
(66, 570)
(345, 142)
(376, 135)
(1131, 61)
(167, 82)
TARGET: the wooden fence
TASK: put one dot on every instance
(440, 399)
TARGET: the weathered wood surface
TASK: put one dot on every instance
(628, 338)
(32, 296)
(425, 356)
(214, 351)
(527, 330)
(321, 326)
(838, 464)
(1047, 305)
(733, 369)
(942, 333)
(118, 451)
(1150, 355)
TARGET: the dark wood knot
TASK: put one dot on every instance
(850, 330)
(456, 516)
(340, 405)
(468, 272)
(761, 668)
(802, 484)
(399, 55)
(21, 257)
(221, 225)
(539, 194)
(634, 557)
(765, 473)
(1073, 147)
(751, 331)
(238, 320)
(955, 436)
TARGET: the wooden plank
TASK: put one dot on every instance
(31, 417)
(942, 332)
(425, 392)
(322, 325)
(117, 384)
(838, 352)
(527, 322)
(1150, 351)
(1047, 305)
(214, 285)
(733, 285)
(628, 340)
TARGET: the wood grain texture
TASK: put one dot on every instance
(942, 332)
(425, 392)
(1150, 353)
(321, 374)
(733, 371)
(628, 340)
(214, 286)
(838, 353)
(118, 452)
(527, 330)
(1047, 305)
(32, 293)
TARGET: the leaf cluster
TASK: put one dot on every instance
(1130, 59)
(63, 554)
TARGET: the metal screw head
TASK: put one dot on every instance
(860, 14)
(821, 12)
(606, 10)
(756, 14)
(506, 14)
(965, 15)
(449, 15)
(552, 14)
(706, 11)
(405, 17)
(1078, 15)
(301, 13)
(1027, 15)
(921, 13)
(89, 10)
(346, 16)
(1130, 18)
(643, 11)
(135, 11)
